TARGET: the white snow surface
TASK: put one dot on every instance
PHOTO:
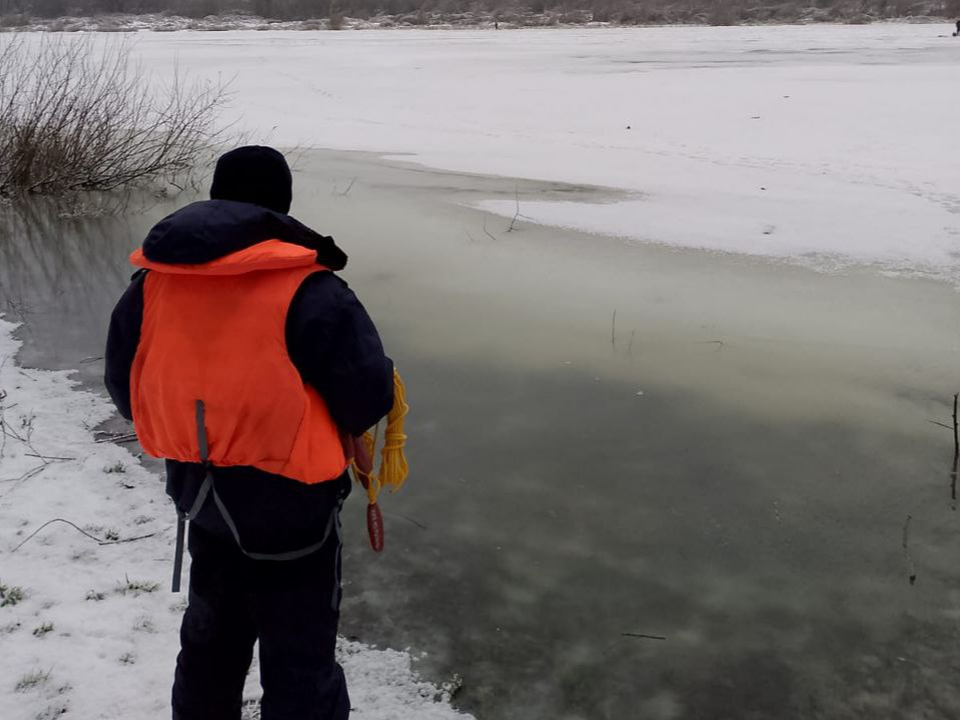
(95, 633)
(836, 144)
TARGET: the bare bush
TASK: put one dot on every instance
(75, 117)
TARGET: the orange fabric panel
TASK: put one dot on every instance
(221, 338)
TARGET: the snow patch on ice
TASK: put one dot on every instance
(807, 142)
(901, 236)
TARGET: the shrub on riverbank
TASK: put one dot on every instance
(78, 116)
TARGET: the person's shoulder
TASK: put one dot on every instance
(322, 303)
(323, 288)
(327, 279)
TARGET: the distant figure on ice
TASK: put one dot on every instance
(957, 33)
(247, 364)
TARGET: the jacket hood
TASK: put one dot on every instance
(268, 255)
(206, 231)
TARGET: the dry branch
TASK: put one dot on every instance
(643, 636)
(77, 118)
(118, 439)
(956, 437)
(76, 527)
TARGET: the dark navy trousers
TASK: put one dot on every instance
(292, 607)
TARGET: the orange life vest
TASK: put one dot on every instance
(216, 332)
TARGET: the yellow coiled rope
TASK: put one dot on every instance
(393, 469)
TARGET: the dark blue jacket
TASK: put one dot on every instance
(331, 340)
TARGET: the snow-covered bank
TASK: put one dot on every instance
(90, 628)
(823, 141)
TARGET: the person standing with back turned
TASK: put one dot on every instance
(249, 366)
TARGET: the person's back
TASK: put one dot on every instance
(247, 364)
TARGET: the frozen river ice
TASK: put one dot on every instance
(834, 144)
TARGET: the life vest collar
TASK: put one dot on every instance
(266, 255)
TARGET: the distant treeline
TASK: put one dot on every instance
(520, 12)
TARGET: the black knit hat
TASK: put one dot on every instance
(254, 174)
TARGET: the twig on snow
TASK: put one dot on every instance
(123, 438)
(79, 529)
(23, 478)
(27, 475)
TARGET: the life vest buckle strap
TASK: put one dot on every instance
(182, 518)
(207, 488)
(282, 556)
(201, 498)
(202, 493)
(202, 432)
